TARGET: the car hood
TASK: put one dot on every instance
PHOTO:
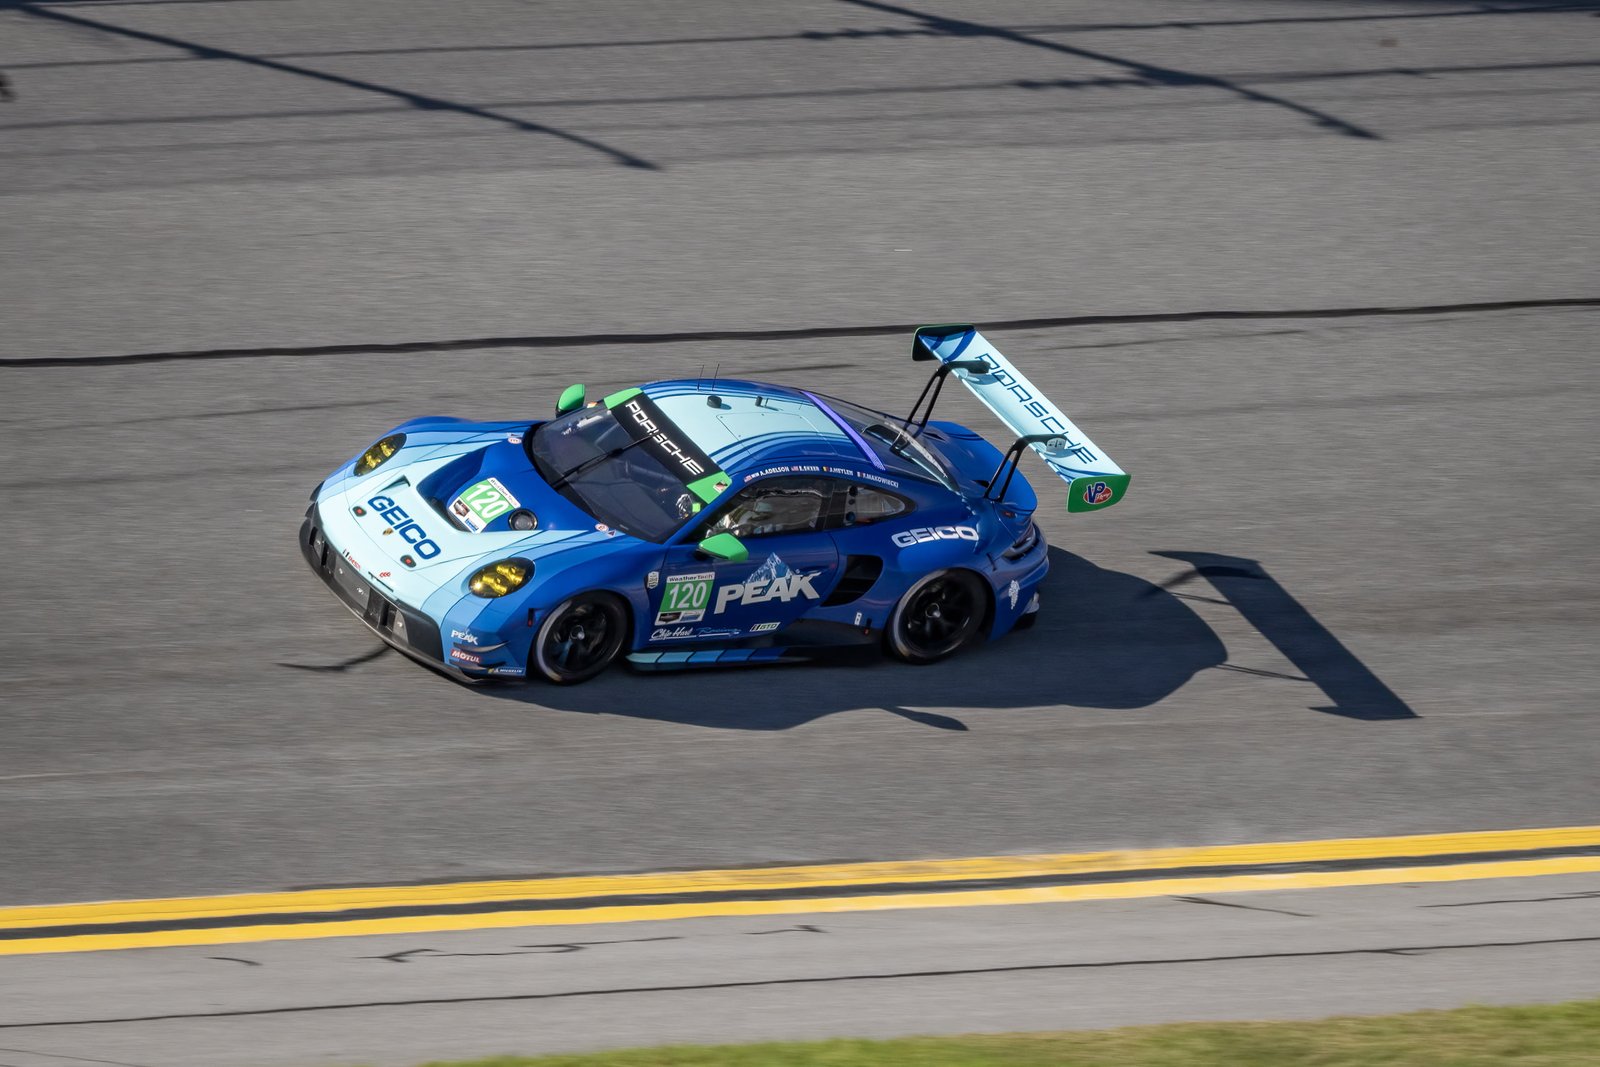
(424, 521)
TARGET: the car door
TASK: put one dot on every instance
(791, 568)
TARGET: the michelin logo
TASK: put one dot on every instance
(772, 581)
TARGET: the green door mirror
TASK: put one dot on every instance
(724, 546)
(571, 399)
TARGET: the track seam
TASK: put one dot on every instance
(1395, 950)
(806, 333)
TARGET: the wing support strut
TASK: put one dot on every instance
(936, 383)
(1009, 461)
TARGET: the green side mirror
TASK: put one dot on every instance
(571, 399)
(724, 546)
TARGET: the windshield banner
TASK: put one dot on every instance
(658, 435)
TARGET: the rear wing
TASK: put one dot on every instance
(1093, 480)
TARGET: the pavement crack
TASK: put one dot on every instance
(751, 336)
(342, 665)
(1590, 894)
(1244, 907)
(886, 976)
(1256, 671)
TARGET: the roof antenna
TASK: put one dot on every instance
(714, 401)
(699, 377)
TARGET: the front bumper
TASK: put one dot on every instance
(400, 626)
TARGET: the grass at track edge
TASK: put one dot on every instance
(1558, 1035)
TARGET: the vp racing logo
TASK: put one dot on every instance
(1097, 493)
(405, 526)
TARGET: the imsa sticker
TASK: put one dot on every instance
(684, 598)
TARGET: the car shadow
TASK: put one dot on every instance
(1105, 639)
(1353, 690)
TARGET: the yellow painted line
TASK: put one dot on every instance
(1239, 883)
(767, 879)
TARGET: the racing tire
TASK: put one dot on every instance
(579, 639)
(938, 615)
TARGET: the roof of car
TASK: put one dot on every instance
(746, 425)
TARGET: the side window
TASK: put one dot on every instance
(863, 505)
(774, 506)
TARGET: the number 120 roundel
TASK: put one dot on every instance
(696, 523)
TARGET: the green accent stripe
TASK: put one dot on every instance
(621, 397)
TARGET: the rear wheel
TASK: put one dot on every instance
(937, 616)
(580, 638)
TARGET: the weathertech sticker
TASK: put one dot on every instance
(684, 598)
(483, 502)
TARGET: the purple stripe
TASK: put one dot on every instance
(861, 442)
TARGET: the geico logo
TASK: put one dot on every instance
(413, 535)
(783, 588)
(907, 538)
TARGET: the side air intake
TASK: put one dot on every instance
(859, 574)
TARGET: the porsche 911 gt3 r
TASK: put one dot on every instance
(697, 523)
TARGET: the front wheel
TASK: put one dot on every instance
(937, 616)
(579, 639)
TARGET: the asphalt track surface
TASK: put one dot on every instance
(403, 1000)
(1352, 591)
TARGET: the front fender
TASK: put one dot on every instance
(513, 619)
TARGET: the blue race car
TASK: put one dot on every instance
(698, 523)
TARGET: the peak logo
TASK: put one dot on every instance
(924, 534)
(759, 589)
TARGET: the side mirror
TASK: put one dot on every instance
(724, 546)
(571, 399)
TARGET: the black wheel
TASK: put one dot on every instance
(579, 639)
(937, 616)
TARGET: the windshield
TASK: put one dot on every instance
(898, 449)
(593, 459)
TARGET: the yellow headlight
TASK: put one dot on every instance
(379, 454)
(498, 579)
